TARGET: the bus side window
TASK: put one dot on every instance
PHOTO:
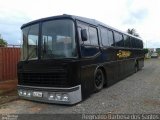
(107, 37)
(133, 41)
(127, 42)
(88, 42)
(137, 43)
(104, 37)
(140, 44)
(110, 38)
(118, 39)
(80, 27)
(93, 36)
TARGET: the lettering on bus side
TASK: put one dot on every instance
(123, 54)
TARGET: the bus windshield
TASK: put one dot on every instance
(57, 40)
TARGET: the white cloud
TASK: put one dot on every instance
(139, 14)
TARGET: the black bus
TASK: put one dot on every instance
(66, 58)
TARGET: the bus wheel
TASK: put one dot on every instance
(98, 80)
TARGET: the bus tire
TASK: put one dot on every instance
(98, 80)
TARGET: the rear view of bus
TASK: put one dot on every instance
(48, 58)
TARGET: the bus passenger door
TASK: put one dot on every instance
(108, 54)
(89, 52)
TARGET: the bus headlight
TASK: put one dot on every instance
(51, 96)
(24, 93)
(58, 96)
(29, 94)
(20, 92)
(65, 97)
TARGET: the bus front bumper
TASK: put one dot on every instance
(57, 95)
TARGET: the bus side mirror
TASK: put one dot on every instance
(84, 35)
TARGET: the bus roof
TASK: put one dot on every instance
(84, 19)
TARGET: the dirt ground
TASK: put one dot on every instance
(8, 85)
(8, 91)
(8, 97)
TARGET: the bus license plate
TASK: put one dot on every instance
(37, 94)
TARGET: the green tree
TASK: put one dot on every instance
(3, 43)
(145, 50)
(158, 50)
(133, 32)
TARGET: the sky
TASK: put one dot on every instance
(143, 15)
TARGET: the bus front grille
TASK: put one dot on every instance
(56, 79)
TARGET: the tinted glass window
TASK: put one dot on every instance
(127, 42)
(138, 43)
(105, 37)
(88, 42)
(134, 43)
(30, 42)
(93, 36)
(141, 44)
(110, 38)
(25, 43)
(58, 39)
(81, 27)
(118, 39)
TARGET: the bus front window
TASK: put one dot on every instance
(58, 39)
(30, 42)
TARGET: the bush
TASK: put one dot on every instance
(3, 43)
(145, 51)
